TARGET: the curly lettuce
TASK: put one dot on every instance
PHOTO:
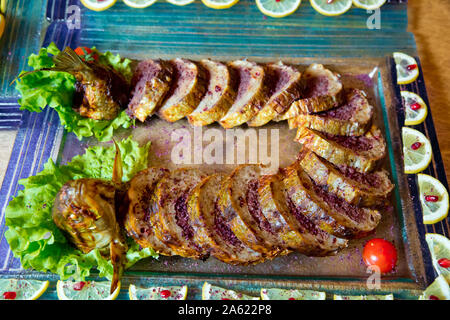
(34, 237)
(56, 90)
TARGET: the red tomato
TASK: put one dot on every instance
(86, 54)
(380, 253)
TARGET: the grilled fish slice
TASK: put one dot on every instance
(151, 82)
(211, 230)
(251, 95)
(364, 189)
(361, 153)
(285, 86)
(140, 206)
(170, 218)
(351, 119)
(188, 87)
(220, 95)
(237, 200)
(293, 226)
(323, 91)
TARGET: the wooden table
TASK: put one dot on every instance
(428, 20)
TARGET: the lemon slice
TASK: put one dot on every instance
(278, 9)
(180, 2)
(98, 5)
(3, 5)
(407, 68)
(416, 109)
(139, 4)
(369, 4)
(416, 150)
(2, 25)
(369, 297)
(283, 294)
(158, 293)
(438, 290)
(440, 253)
(22, 289)
(210, 292)
(434, 199)
(219, 4)
(335, 8)
(85, 290)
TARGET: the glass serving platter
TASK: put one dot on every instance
(367, 66)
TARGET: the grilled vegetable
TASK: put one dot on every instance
(86, 210)
(100, 90)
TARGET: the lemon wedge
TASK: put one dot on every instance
(219, 4)
(210, 292)
(158, 293)
(22, 289)
(407, 68)
(335, 8)
(278, 9)
(416, 109)
(139, 4)
(98, 5)
(85, 290)
(368, 4)
(180, 2)
(440, 253)
(416, 150)
(293, 294)
(433, 198)
(438, 290)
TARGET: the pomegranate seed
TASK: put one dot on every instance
(165, 294)
(291, 299)
(434, 298)
(9, 295)
(431, 198)
(416, 145)
(444, 263)
(79, 285)
(415, 106)
(411, 67)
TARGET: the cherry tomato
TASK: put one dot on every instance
(380, 253)
(86, 54)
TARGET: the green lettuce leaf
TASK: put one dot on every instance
(56, 89)
(34, 237)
